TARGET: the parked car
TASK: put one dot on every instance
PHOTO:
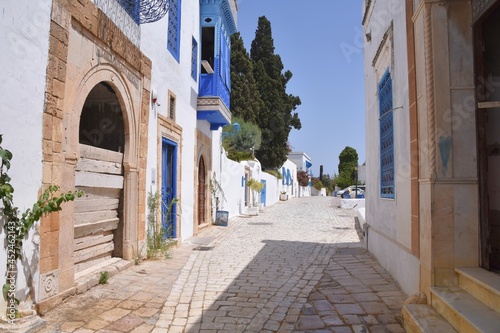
(351, 191)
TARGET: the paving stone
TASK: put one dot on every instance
(71, 326)
(144, 328)
(332, 320)
(126, 323)
(261, 274)
(310, 322)
(347, 309)
(114, 314)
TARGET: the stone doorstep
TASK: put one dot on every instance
(482, 284)
(422, 318)
(84, 280)
(463, 311)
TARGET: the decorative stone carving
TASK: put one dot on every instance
(49, 284)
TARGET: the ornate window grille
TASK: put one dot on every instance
(387, 184)
(145, 11)
(194, 59)
(174, 24)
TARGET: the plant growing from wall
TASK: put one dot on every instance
(17, 225)
(158, 244)
(256, 187)
(275, 173)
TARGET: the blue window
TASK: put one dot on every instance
(194, 60)
(174, 28)
(132, 7)
(387, 185)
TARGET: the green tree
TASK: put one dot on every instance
(276, 118)
(245, 98)
(348, 160)
(247, 138)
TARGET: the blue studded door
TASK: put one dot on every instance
(168, 187)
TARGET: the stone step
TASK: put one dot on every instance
(482, 284)
(422, 318)
(463, 311)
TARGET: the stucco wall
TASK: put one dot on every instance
(391, 218)
(23, 62)
(168, 75)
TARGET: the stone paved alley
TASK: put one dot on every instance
(296, 267)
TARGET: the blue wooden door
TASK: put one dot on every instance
(263, 193)
(168, 187)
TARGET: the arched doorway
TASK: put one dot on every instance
(98, 215)
(202, 175)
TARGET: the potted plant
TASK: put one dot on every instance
(256, 187)
(283, 196)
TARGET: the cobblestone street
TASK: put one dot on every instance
(296, 267)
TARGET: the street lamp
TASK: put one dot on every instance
(356, 185)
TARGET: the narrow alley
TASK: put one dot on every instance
(296, 267)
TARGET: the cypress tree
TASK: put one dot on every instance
(245, 98)
(275, 117)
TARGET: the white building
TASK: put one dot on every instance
(119, 103)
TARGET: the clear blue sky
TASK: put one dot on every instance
(319, 42)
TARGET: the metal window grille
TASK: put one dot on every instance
(387, 184)
(174, 22)
(194, 60)
(145, 11)
(171, 107)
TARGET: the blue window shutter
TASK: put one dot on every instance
(194, 60)
(283, 173)
(288, 177)
(225, 65)
(174, 28)
(387, 183)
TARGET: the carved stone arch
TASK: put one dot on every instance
(129, 106)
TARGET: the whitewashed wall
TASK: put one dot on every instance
(23, 62)
(168, 74)
(272, 188)
(389, 219)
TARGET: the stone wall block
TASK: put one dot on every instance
(58, 89)
(47, 126)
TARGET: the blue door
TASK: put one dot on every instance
(263, 193)
(169, 187)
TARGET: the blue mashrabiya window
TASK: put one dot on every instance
(387, 184)
(174, 25)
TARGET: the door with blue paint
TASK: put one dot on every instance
(169, 187)
(263, 193)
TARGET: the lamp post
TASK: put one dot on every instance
(356, 185)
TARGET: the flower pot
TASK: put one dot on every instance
(283, 196)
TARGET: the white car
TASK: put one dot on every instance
(351, 189)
